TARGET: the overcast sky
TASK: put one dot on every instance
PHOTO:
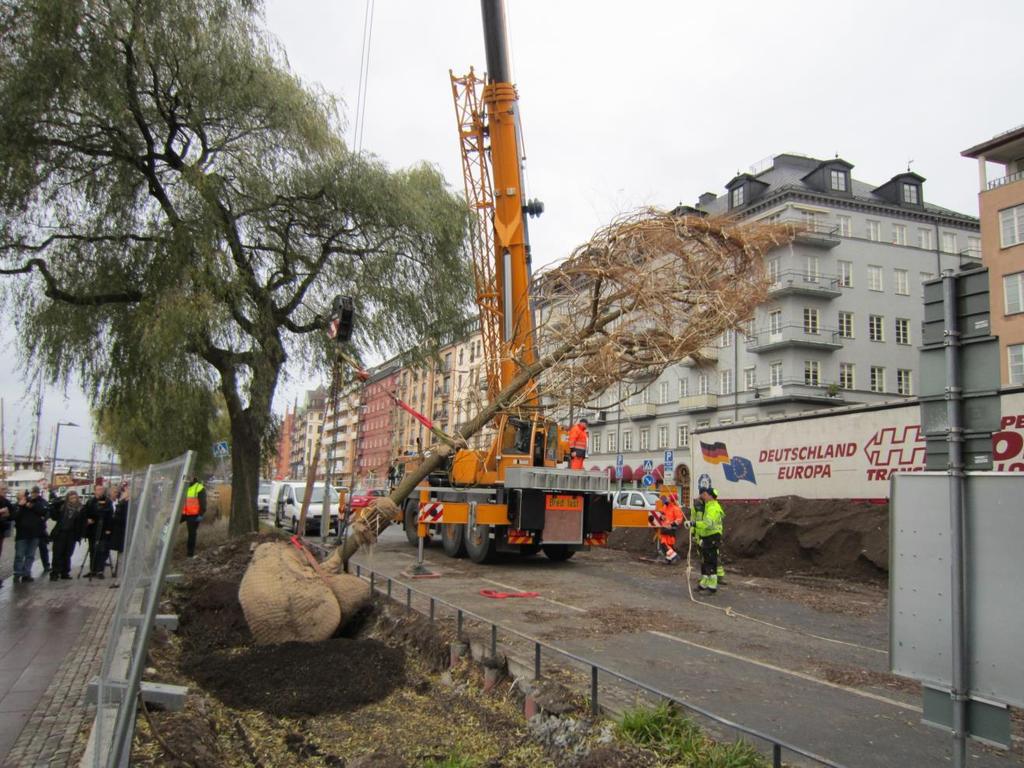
(652, 103)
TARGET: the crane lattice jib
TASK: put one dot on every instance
(477, 178)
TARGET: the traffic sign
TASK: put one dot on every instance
(648, 480)
(648, 466)
(221, 450)
(669, 463)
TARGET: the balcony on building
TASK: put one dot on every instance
(794, 282)
(705, 402)
(1005, 149)
(800, 389)
(795, 335)
(816, 231)
(640, 410)
(703, 356)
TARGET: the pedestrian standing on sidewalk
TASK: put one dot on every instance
(6, 515)
(193, 511)
(65, 534)
(707, 526)
(35, 497)
(98, 513)
(28, 526)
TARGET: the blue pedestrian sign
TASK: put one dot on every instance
(670, 464)
(648, 466)
(220, 450)
(648, 480)
(618, 466)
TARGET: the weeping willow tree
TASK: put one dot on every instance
(177, 208)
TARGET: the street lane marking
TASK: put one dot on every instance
(790, 672)
(519, 589)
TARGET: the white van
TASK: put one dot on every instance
(286, 505)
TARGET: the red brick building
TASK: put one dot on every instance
(375, 449)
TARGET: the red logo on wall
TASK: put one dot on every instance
(893, 449)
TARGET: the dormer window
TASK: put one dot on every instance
(737, 197)
(837, 180)
(911, 195)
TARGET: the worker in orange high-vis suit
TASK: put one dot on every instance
(671, 518)
(578, 440)
(192, 512)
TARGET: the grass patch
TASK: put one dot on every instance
(679, 741)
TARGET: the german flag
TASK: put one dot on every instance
(715, 453)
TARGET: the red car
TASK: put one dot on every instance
(359, 500)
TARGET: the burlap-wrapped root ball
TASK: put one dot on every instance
(284, 599)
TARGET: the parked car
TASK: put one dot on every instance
(286, 501)
(636, 500)
(359, 500)
(263, 498)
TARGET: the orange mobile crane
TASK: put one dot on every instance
(510, 497)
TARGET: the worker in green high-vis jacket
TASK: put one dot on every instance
(707, 526)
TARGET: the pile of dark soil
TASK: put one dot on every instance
(302, 678)
(789, 534)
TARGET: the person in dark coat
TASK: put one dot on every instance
(120, 521)
(35, 496)
(98, 514)
(6, 515)
(29, 526)
(66, 533)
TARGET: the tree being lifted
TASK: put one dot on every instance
(188, 208)
(643, 294)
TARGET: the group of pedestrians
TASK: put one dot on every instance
(100, 521)
(706, 527)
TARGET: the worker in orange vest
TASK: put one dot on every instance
(192, 512)
(578, 440)
(671, 518)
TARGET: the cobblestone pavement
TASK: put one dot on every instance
(51, 641)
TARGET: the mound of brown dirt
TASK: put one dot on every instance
(212, 618)
(790, 534)
(302, 678)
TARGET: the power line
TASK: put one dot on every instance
(359, 127)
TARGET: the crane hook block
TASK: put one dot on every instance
(341, 320)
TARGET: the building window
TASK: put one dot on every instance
(725, 382)
(749, 379)
(877, 378)
(874, 230)
(663, 437)
(748, 329)
(845, 225)
(1013, 292)
(876, 327)
(1015, 357)
(645, 439)
(911, 194)
(627, 441)
(773, 271)
(683, 436)
(902, 330)
(903, 385)
(737, 197)
(813, 269)
(875, 282)
(899, 234)
(846, 376)
(812, 324)
(846, 274)
(726, 339)
(902, 279)
(703, 424)
(724, 422)
(595, 443)
(775, 373)
(838, 179)
(1011, 226)
(612, 442)
(974, 247)
(924, 239)
(663, 392)
(775, 322)
(812, 373)
(846, 325)
(949, 242)
(684, 388)
(702, 384)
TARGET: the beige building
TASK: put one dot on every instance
(307, 424)
(340, 434)
(416, 389)
(1001, 206)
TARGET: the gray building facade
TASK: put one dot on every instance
(842, 321)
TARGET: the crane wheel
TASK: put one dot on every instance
(558, 552)
(479, 545)
(410, 517)
(453, 539)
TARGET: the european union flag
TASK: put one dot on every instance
(738, 469)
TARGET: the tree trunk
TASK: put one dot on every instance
(245, 472)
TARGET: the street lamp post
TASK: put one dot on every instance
(56, 442)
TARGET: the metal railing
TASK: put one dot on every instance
(778, 746)
(794, 333)
(811, 281)
(1004, 180)
(152, 535)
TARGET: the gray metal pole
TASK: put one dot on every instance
(956, 513)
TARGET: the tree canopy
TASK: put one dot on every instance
(177, 206)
